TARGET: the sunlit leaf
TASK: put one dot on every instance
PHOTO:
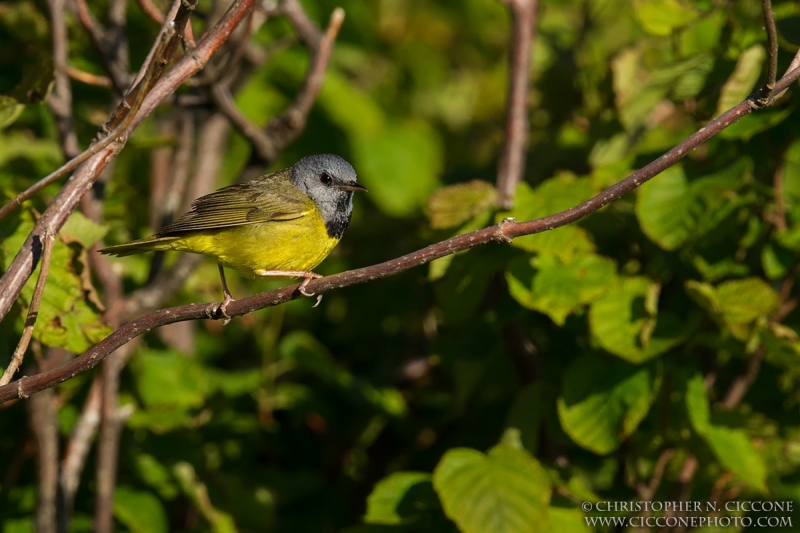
(603, 402)
(621, 323)
(662, 17)
(453, 205)
(140, 511)
(504, 491)
(557, 289)
(554, 195)
(743, 79)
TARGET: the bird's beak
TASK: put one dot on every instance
(352, 186)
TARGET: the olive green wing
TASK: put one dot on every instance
(268, 198)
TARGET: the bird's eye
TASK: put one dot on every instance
(325, 178)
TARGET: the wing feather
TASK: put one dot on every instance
(268, 198)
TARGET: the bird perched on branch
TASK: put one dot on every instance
(279, 225)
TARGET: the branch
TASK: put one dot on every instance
(505, 231)
(772, 38)
(46, 246)
(121, 118)
(111, 44)
(56, 214)
(512, 161)
(283, 129)
(60, 100)
(44, 426)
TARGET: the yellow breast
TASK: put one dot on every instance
(299, 244)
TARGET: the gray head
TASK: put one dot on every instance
(330, 182)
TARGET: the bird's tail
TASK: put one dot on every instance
(148, 244)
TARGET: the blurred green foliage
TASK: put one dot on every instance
(502, 387)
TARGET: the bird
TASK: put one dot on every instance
(278, 225)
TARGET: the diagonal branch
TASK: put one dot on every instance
(505, 231)
(46, 246)
(56, 214)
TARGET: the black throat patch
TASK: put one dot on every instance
(340, 221)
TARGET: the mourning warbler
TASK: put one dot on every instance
(282, 224)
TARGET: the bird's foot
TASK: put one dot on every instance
(220, 308)
(302, 288)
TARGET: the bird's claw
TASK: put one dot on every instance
(302, 289)
(220, 308)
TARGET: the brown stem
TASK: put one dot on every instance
(772, 39)
(89, 78)
(283, 129)
(104, 43)
(33, 310)
(111, 425)
(44, 426)
(56, 214)
(77, 448)
(60, 100)
(120, 121)
(502, 232)
(512, 161)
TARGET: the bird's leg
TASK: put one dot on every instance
(221, 307)
(306, 274)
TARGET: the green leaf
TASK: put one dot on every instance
(454, 205)
(556, 194)
(170, 379)
(527, 413)
(10, 110)
(622, 324)
(558, 289)
(743, 79)
(197, 492)
(662, 17)
(638, 88)
(234, 383)
(731, 446)
(400, 165)
(140, 511)
(736, 452)
(504, 491)
(568, 520)
(156, 475)
(697, 405)
(401, 497)
(736, 303)
(70, 314)
(80, 229)
(603, 402)
(665, 208)
(745, 300)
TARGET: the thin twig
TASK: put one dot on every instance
(512, 161)
(46, 244)
(89, 78)
(60, 100)
(57, 213)
(120, 121)
(772, 38)
(283, 129)
(780, 205)
(104, 42)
